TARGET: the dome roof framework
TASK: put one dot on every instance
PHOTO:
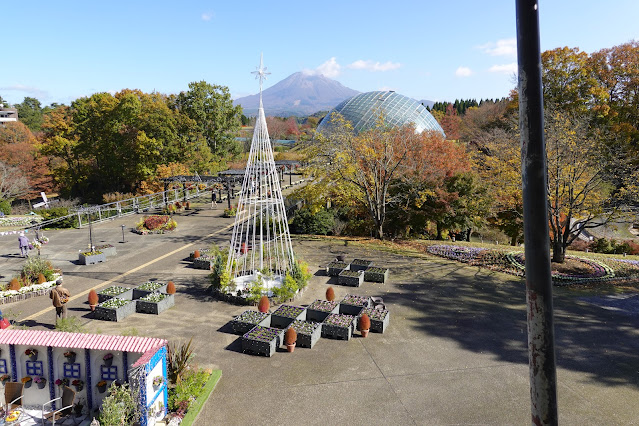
(363, 111)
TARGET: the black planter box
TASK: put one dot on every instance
(280, 319)
(347, 278)
(360, 264)
(241, 326)
(315, 313)
(305, 339)
(203, 262)
(376, 275)
(114, 314)
(333, 269)
(126, 295)
(91, 259)
(139, 293)
(156, 308)
(260, 347)
(379, 319)
(353, 304)
(338, 331)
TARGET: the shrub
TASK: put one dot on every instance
(177, 360)
(364, 322)
(120, 406)
(57, 212)
(330, 294)
(170, 287)
(255, 291)
(5, 206)
(34, 266)
(264, 304)
(290, 337)
(14, 284)
(70, 325)
(287, 290)
(196, 254)
(580, 245)
(307, 222)
(112, 197)
(93, 297)
(182, 395)
(41, 278)
(300, 273)
(230, 212)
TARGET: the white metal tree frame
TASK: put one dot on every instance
(261, 241)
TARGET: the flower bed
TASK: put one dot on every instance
(360, 264)
(154, 303)
(286, 314)
(26, 292)
(334, 268)
(353, 304)
(114, 309)
(244, 322)
(262, 340)
(155, 224)
(320, 309)
(91, 257)
(148, 288)
(115, 291)
(308, 333)
(375, 274)
(19, 221)
(338, 326)
(107, 249)
(379, 319)
(350, 278)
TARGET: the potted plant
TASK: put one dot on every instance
(101, 385)
(170, 287)
(290, 337)
(157, 381)
(78, 384)
(264, 304)
(32, 353)
(70, 356)
(330, 294)
(108, 359)
(78, 407)
(40, 381)
(62, 382)
(5, 378)
(93, 299)
(26, 380)
(364, 324)
(196, 254)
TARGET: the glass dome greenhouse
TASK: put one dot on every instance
(364, 109)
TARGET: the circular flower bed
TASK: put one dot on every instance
(577, 270)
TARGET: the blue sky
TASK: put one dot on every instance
(59, 51)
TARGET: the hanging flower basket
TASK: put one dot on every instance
(70, 356)
(32, 353)
(108, 359)
(102, 386)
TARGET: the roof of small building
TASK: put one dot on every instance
(99, 342)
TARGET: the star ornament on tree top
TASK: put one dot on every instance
(261, 72)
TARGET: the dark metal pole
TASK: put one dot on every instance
(228, 193)
(541, 335)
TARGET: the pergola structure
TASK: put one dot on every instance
(260, 246)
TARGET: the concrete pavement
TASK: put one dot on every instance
(454, 353)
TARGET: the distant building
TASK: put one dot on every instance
(364, 110)
(8, 115)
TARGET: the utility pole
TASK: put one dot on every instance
(541, 335)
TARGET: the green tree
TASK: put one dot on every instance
(211, 107)
(30, 113)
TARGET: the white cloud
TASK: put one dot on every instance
(329, 69)
(504, 68)
(504, 47)
(207, 16)
(463, 72)
(374, 66)
(29, 90)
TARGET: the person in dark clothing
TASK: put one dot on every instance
(213, 199)
(60, 296)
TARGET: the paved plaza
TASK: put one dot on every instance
(454, 352)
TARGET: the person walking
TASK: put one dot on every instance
(213, 199)
(23, 242)
(60, 296)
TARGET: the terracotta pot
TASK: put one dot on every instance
(290, 348)
(364, 333)
(92, 307)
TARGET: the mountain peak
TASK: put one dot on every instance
(298, 94)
